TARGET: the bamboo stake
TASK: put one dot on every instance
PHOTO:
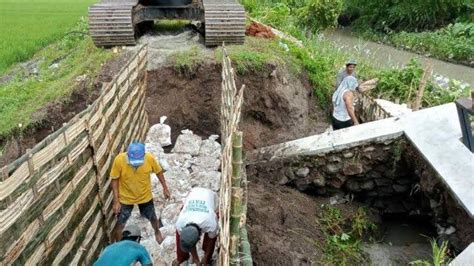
(245, 252)
(236, 198)
(421, 89)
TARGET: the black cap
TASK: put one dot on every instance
(188, 238)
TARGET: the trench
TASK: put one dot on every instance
(281, 207)
(405, 199)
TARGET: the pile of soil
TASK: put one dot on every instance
(278, 106)
(281, 223)
(53, 115)
(259, 30)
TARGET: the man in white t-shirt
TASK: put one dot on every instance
(198, 216)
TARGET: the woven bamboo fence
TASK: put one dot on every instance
(230, 198)
(55, 201)
(369, 110)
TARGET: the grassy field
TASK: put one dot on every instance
(58, 65)
(28, 26)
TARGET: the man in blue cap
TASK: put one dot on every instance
(131, 184)
(126, 252)
(348, 71)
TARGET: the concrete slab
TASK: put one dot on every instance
(466, 258)
(330, 141)
(435, 133)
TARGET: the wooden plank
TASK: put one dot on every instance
(37, 255)
(89, 236)
(75, 129)
(61, 198)
(49, 177)
(19, 177)
(95, 245)
(9, 215)
(14, 251)
(49, 152)
(72, 240)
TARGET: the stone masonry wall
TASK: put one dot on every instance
(451, 220)
(373, 173)
(389, 175)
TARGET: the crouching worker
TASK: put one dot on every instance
(198, 216)
(131, 184)
(126, 252)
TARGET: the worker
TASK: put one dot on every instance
(126, 252)
(348, 71)
(198, 216)
(131, 184)
(343, 114)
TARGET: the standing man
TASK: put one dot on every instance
(126, 252)
(348, 71)
(343, 114)
(131, 184)
(198, 216)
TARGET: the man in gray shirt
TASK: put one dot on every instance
(348, 71)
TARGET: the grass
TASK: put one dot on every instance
(28, 26)
(187, 61)
(25, 94)
(343, 235)
(257, 53)
(440, 255)
(170, 25)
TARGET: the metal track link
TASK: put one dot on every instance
(111, 24)
(224, 22)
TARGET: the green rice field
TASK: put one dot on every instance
(26, 26)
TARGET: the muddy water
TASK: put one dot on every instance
(388, 56)
(402, 242)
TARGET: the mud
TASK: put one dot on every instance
(52, 116)
(281, 223)
(278, 106)
(259, 30)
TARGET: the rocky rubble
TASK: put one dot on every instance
(192, 162)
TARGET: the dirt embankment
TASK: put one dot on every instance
(52, 116)
(281, 223)
(278, 106)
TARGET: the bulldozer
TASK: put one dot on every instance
(119, 22)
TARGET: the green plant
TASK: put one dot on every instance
(25, 94)
(27, 28)
(343, 235)
(187, 61)
(452, 43)
(440, 255)
(320, 14)
(409, 15)
(401, 85)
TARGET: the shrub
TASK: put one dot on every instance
(409, 15)
(320, 14)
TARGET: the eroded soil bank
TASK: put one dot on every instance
(278, 106)
(52, 116)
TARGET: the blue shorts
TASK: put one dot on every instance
(147, 210)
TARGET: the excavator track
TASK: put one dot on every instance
(110, 24)
(224, 22)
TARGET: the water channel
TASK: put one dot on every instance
(388, 56)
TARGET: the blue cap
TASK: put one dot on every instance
(136, 154)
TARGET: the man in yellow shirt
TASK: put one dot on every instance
(131, 184)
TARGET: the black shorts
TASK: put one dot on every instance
(336, 124)
(147, 210)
